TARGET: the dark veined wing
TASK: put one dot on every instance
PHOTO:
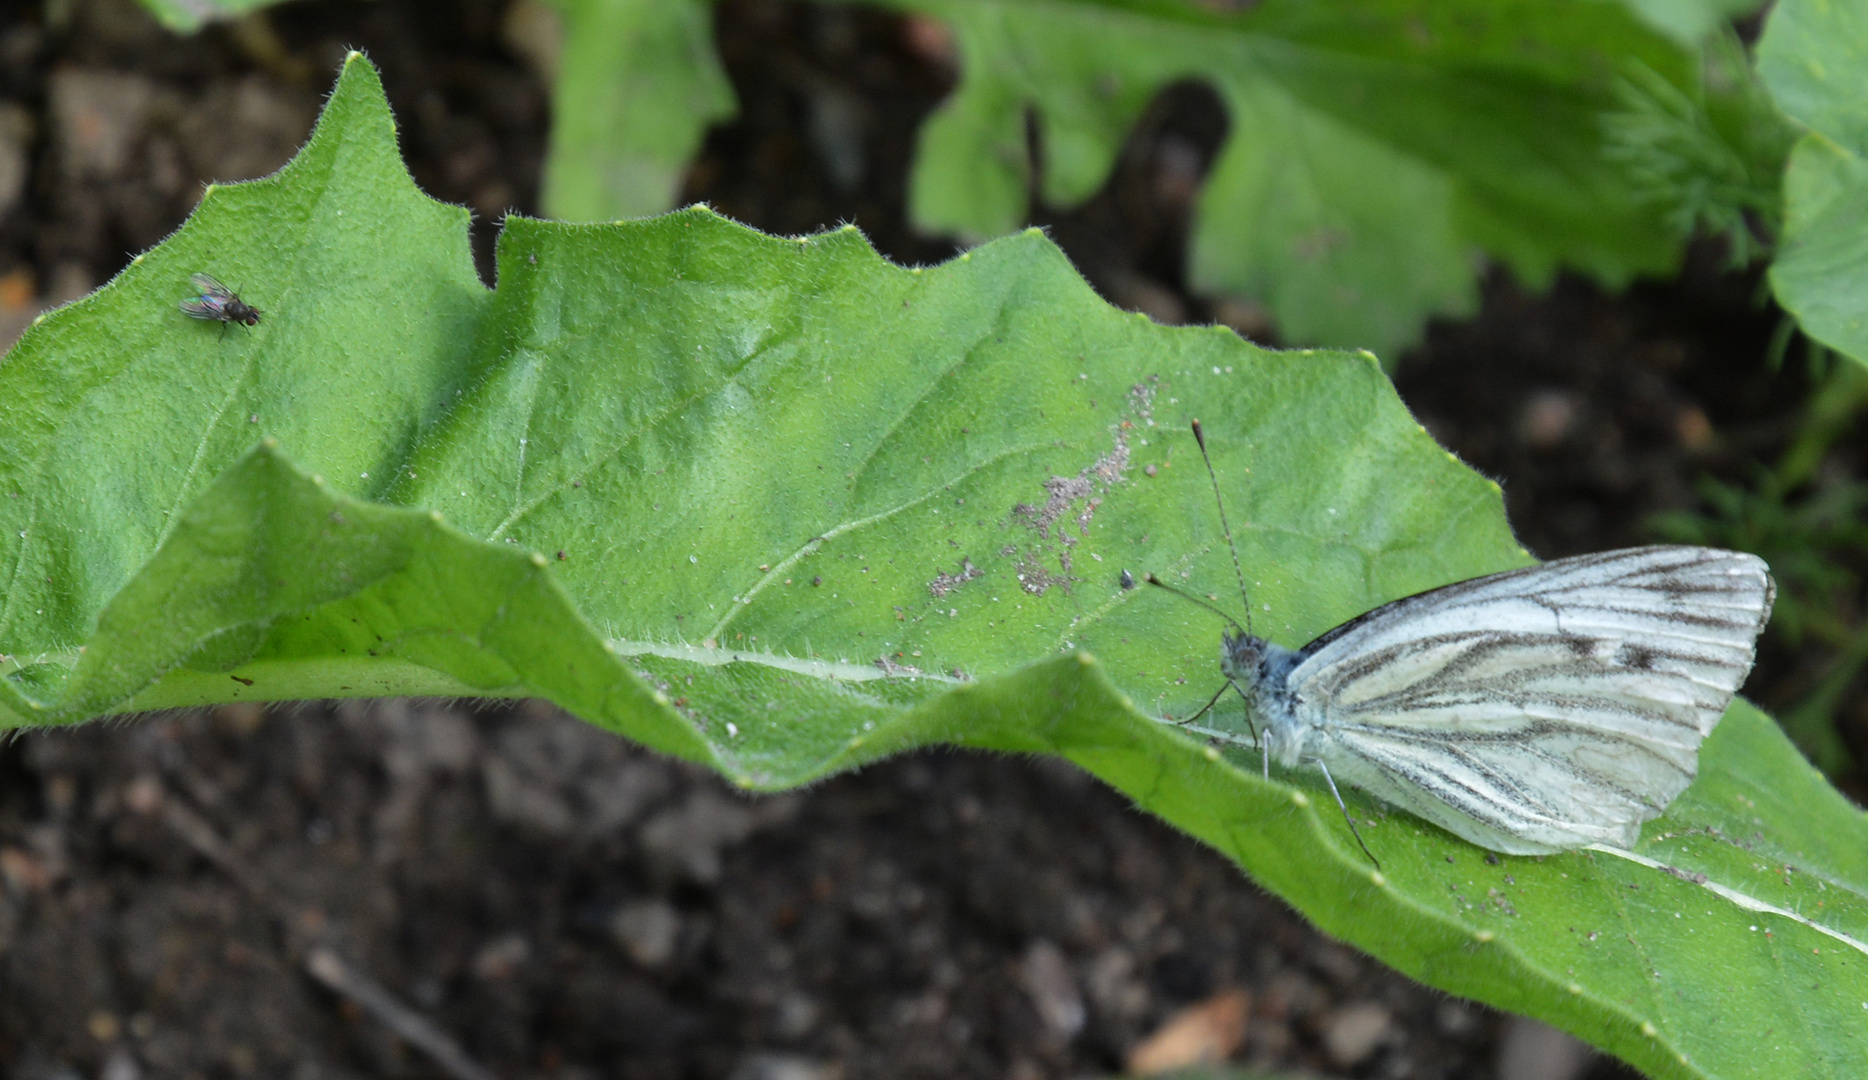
(1545, 708)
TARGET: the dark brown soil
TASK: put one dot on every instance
(564, 905)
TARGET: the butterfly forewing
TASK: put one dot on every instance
(1542, 708)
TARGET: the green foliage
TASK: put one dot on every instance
(1374, 150)
(1710, 161)
(1811, 58)
(781, 508)
(1810, 528)
(1691, 21)
(187, 16)
(636, 86)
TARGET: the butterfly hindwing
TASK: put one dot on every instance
(1542, 708)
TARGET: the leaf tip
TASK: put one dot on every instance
(661, 699)
(1648, 1029)
(1212, 753)
(1378, 879)
(1299, 799)
(1086, 659)
(1575, 988)
(1483, 937)
(538, 559)
(435, 516)
(352, 56)
(318, 479)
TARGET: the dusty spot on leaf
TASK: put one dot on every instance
(1142, 401)
(1062, 491)
(1063, 518)
(896, 670)
(1034, 577)
(945, 583)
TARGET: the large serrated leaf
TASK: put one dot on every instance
(780, 507)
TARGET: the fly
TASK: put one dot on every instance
(218, 303)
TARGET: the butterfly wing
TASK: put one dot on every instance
(1545, 708)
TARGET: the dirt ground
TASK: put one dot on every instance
(182, 893)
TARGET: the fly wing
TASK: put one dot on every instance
(202, 307)
(1543, 708)
(209, 285)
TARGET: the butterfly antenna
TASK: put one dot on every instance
(1353, 831)
(1185, 595)
(1225, 526)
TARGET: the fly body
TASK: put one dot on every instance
(218, 303)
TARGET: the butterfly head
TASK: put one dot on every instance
(1261, 670)
(1241, 656)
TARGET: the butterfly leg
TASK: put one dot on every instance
(1353, 831)
(1214, 700)
(1253, 728)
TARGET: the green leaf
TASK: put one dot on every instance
(1374, 150)
(1690, 21)
(188, 16)
(1712, 156)
(636, 86)
(782, 508)
(1811, 57)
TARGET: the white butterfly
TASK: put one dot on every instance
(1530, 711)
